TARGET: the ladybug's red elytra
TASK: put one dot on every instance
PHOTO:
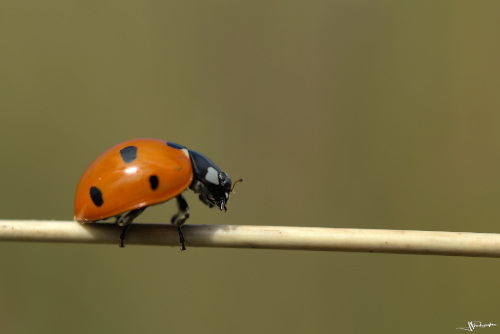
(126, 179)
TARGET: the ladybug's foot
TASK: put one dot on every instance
(181, 237)
(181, 217)
(122, 235)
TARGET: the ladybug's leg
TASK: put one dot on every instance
(201, 189)
(125, 220)
(180, 217)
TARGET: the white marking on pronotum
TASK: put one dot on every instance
(185, 151)
(212, 176)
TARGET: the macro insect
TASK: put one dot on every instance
(126, 179)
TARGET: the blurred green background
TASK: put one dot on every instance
(359, 114)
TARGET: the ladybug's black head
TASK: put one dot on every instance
(213, 185)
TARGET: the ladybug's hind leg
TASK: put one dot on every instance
(181, 217)
(125, 220)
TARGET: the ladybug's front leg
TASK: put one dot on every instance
(181, 217)
(201, 189)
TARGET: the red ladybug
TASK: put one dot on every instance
(126, 179)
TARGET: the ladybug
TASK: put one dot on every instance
(126, 179)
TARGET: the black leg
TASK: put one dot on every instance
(181, 217)
(125, 221)
(122, 235)
(181, 238)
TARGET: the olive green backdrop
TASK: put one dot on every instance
(359, 114)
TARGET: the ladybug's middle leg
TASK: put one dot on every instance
(181, 217)
(125, 220)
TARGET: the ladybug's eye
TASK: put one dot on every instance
(224, 179)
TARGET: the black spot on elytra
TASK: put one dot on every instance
(153, 180)
(96, 196)
(129, 153)
(174, 145)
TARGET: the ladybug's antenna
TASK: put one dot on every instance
(239, 180)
